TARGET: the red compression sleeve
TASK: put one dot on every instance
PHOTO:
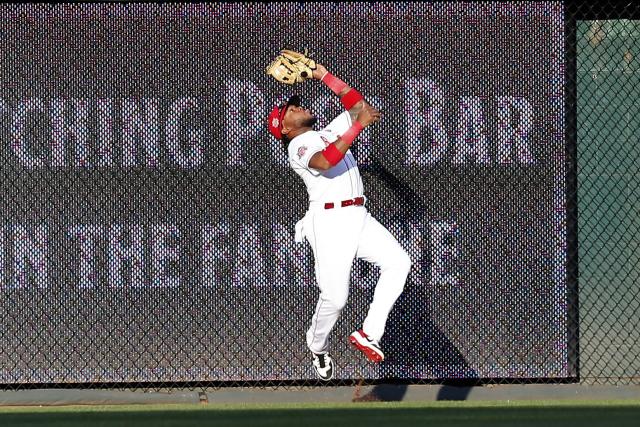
(331, 152)
(351, 98)
(334, 83)
(352, 133)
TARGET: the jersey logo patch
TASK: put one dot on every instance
(325, 140)
(301, 151)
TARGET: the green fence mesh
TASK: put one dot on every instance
(608, 133)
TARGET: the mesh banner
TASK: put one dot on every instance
(148, 215)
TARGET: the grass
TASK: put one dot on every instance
(449, 414)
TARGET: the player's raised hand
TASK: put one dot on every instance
(368, 115)
(319, 71)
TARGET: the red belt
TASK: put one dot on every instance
(358, 201)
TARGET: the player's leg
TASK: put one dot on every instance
(333, 239)
(378, 246)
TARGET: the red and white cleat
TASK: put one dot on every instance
(367, 345)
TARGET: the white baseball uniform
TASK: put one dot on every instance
(340, 234)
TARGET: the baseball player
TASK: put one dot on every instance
(337, 225)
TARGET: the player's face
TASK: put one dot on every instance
(298, 117)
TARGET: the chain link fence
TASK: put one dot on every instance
(608, 84)
(148, 216)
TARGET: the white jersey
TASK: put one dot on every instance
(342, 181)
(339, 235)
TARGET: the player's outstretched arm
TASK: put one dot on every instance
(351, 99)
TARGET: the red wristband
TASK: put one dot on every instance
(352, 133)
(332, 154)
(334, 83)
(351, 98)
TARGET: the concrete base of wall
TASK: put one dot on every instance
(415, 393)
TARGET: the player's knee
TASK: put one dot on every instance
(405, 262)
(337, 299)
(340, 302)
(402, 266)
(401, 262)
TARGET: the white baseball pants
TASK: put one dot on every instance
(337, 236)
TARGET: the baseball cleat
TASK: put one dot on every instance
(323, 365)
(367, 345)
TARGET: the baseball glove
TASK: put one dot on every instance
(291, 67)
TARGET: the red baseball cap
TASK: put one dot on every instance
(277, 114)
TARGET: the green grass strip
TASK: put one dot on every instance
(618, 413)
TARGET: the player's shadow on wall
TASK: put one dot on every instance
(414, 346)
